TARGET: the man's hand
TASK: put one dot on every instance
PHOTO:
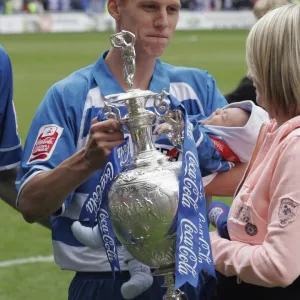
(163, 128)
(103, 137)
(217, 216)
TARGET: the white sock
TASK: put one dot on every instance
(141, 279)
(87, 235)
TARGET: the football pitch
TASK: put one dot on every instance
(39, 60)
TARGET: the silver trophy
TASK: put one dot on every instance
(143, 199)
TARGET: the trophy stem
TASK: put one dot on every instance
(171, 293)
(142, 139)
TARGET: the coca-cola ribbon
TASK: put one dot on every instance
(193, 248)
(95, 207)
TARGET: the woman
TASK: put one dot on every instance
(261, 259)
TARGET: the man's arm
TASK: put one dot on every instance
(8, 191)
(44, 194)
(225, 184)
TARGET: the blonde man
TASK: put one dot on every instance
(261, 258)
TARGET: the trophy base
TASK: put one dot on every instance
(168, 273)
(176, 295)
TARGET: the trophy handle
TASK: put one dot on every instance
(112, 112)
(160, 105)
(173, 118)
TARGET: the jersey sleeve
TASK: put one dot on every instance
(10, 145)
(200, 94)
(50, 141)
(274, 262)
(214, 98)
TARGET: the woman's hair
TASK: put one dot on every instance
(261, 7)
(273, 59)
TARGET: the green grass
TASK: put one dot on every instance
(39, 60)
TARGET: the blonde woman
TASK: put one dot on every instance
(261, 259)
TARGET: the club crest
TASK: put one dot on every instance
(288, 211)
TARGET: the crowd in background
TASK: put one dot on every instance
(40, 6)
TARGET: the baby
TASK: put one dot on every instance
(233, 131)
(229, 117)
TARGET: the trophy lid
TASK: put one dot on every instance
(135, 100)
(121, 98)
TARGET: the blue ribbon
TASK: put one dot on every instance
(95, 207)
(193, 249)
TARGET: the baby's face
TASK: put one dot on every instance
(229, 117)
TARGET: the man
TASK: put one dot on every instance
(66, 147)
(10, 145)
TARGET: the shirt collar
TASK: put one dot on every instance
(109, 85)
(160, 78)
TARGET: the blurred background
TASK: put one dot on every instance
(39, 6)
(49, 39)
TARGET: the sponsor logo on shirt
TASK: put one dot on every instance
(45, 143)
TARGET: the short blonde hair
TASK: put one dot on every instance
(273, 59)
(261, 7)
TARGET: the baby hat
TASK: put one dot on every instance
(241, 140)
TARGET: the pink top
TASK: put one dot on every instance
(264, 221)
